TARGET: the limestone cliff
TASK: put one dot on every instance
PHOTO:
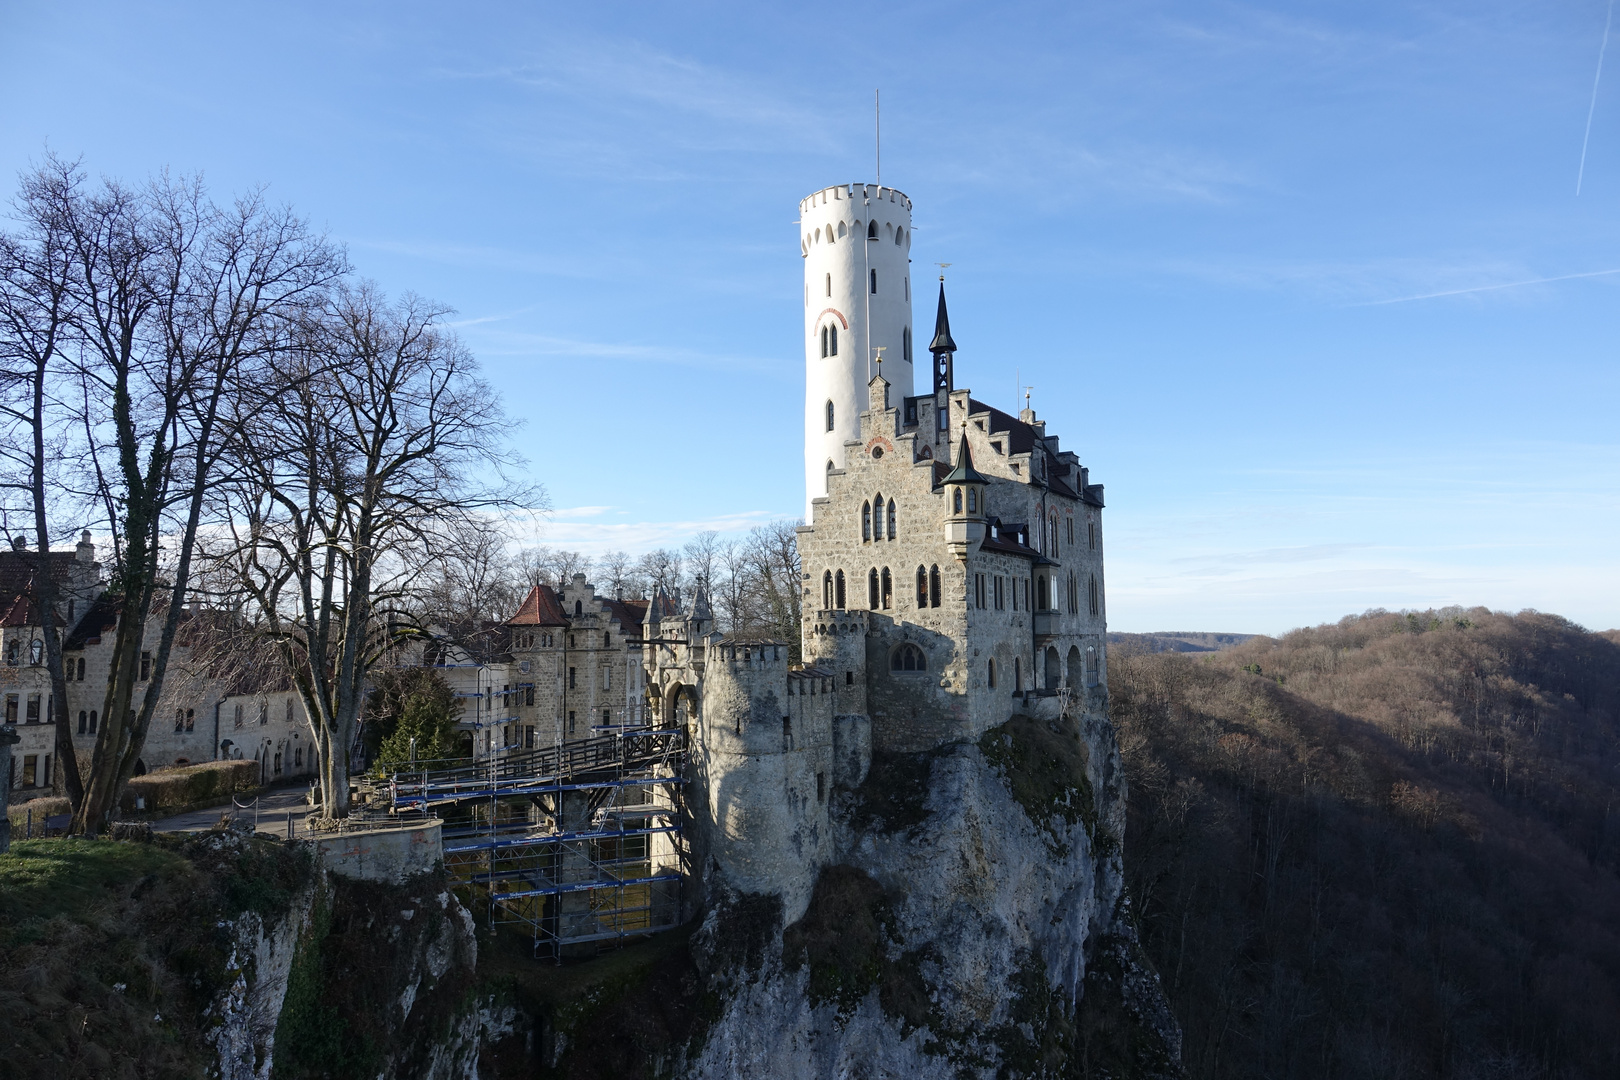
(973, 922)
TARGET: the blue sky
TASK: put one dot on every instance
(1300, 283)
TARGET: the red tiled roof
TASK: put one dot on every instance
(19, 606)
(540, 608)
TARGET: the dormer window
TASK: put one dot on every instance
(996, 446)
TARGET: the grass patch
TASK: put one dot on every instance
(114, 951)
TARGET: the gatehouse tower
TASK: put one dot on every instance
(854, 240)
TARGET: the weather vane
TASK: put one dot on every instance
(942, 268)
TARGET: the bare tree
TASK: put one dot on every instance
(549, 566)
(773, 555)
(730, 594)
(359, 453)
(617, 573)
(36, 310)
(167, 296)
(661, 569)
(702, 557)
(477, 581)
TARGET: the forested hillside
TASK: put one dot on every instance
(1383, 848)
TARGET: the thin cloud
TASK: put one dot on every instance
(1488, 288)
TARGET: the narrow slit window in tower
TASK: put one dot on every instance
(829, 284)
(874, 282)
(829, 416)
(891, 519)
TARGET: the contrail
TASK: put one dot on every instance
(1488, 288)
(1592, 108)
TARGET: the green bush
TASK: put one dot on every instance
(428, 715)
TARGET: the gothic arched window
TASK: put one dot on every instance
(829, 415)
(922, 586)
(888, 589)
(866, 522)
(956, 501)
(832, 339)
(891, 519)
(992, 672)
(908, 658)
(973, 501)
(838, 590)
(824, 343)
(871, 230)
(872, 598)
(826, 591)
(933, 587)
(1094, 603)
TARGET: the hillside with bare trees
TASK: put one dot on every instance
(1383, 848)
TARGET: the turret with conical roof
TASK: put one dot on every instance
(964, 494)
(943, 346)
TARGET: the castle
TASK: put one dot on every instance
(952, 578)
(953, 574)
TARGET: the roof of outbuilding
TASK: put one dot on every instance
(540, 608)
(19, 600)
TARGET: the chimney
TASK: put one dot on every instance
(19, 542)
(86, 551)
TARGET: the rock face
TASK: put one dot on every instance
(973, 923)
(368, 978)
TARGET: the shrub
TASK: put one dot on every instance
(190, 785)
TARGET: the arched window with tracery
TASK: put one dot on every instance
(888, 589)
(933, 587)
(838, 590)
(922, 586)
(891, 519)
(908, 657)
(866, 522)
(872, 598)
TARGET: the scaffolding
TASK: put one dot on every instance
(579, 845)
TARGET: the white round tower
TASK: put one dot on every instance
(855, 239)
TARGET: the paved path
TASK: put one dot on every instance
(274, 808)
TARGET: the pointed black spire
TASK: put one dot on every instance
(942, 327)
